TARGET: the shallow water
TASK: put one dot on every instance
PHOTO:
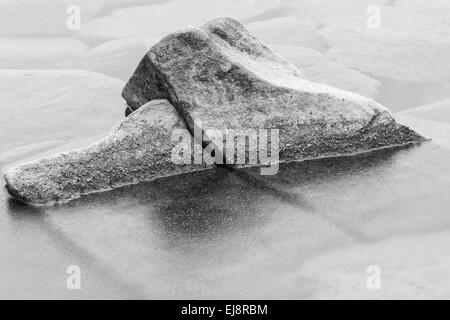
(221, 233)
(309, 232)
(399, 95)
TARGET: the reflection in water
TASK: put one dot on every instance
(399, 95)
(204, 205)
(215, 232)
(200, 205)
(19, 210)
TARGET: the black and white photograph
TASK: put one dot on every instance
(224, 150)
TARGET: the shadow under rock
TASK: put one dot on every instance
(194, 206)
(204, 205)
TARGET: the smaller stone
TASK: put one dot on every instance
(138, 149)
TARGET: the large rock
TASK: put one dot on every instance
(138, 149)
(220, 76)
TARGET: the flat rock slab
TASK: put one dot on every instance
(138, 149)
(219, 76)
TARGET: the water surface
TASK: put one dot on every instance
(224, 233)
